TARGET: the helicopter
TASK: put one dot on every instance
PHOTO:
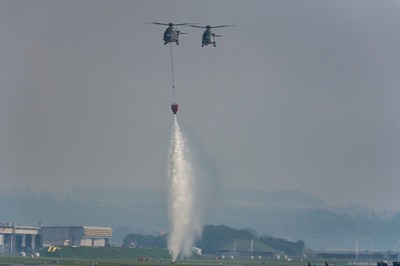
(171, 34)
(208, 35)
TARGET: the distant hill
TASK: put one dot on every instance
(290, 215)
(288, 199)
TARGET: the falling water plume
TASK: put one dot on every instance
(184, 214)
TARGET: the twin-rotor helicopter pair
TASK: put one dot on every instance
(171, 34)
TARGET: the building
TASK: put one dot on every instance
(87, 236)
(18, 238)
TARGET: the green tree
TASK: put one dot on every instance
(145, 241)
(289, 247)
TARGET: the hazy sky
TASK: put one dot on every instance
(299, 95)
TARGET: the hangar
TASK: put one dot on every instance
(85, 236)
(18, 238)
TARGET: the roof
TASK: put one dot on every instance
(88, 231)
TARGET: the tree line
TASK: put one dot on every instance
(215, 238)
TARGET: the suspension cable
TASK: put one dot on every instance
(172, 69)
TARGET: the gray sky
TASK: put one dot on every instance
(298, 95)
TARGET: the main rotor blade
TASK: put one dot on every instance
(169, 24)
(203, 27)
(211, 27)
(158, 23)
(222, 26)
(180, 24)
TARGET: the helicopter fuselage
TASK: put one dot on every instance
(208, 38)
(171, 35)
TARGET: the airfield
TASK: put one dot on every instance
(209, 261)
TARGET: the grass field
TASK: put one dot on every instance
(117, 256)
(187, 262)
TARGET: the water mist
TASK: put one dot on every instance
(185, 213)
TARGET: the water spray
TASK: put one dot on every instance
(185, 218)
